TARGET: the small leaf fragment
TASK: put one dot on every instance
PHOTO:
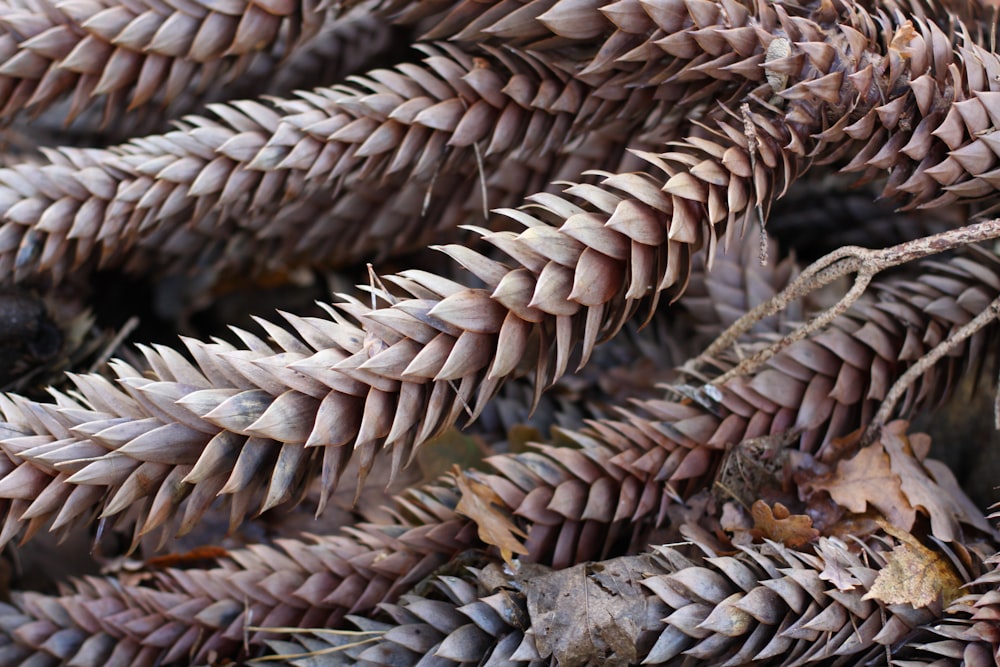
(781, 525)
(482, 504)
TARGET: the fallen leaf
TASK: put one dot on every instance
(780, 525)
(482, 504)
(837, 569)
(590, 613)
(865, 479)
(915, 575)
(920, 488)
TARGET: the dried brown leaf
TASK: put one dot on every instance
(865, 479)
(590, 612)
(915, 575)
(945, 509)
(482, 504)
(837, 574)
(781, 525)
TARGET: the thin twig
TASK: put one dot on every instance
(917, 370)
(863, 262)
(311, 654)
(116, 342)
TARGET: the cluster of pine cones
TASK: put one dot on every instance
(608, 187)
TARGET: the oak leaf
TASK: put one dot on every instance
(915, 575)
(946, 507)
(868, 478)
(483, 505)
(780, 525)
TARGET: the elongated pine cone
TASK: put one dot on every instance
(766, 604)
(672, 127)
(331, 177)
(438, 348)
(575, 502)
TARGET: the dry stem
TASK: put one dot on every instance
(918, 369)
(865, 263)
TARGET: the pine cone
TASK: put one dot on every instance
(766, 605)
(341, 48)
(133, 54)
(575, 505)
(967, 632)
(329, 177)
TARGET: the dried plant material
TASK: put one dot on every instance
(838, 574)
(753, 467)
(131, 56)
(865, 264)
(387, 378)
(739, 101)
(867, 478)
(575, 503)
(265, 184)
(780, 525)
(487, 510)
(945, 509)
(915, 575)
(762, 605)
(969, 627)
(590, 613)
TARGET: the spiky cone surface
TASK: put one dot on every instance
(764, 605)
(329, 177)
(968, 632)
(339, 49)
(828, 386)
(829, 76)
(562, 494)
(437, 347)
(136, 53)
(573, 503)
(928, 125)
(644, 355)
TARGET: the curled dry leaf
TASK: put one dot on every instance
(946, 507)
(892, 477)
(780, 525)
(482, 504)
